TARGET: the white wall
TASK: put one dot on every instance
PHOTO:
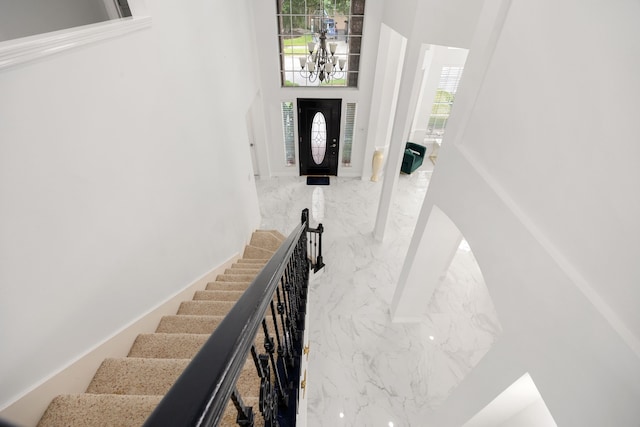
(574, 166)
(447, 22)
(125, 174)
(442, 22)
(399, 15)
(27, 17)
(538, 171)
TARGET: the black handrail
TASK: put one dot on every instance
(201, 393)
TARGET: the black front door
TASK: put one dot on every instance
(318, 135)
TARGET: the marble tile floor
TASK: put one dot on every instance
(365, 370)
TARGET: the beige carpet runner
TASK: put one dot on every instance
(124, 391)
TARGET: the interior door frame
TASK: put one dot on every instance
(307, 108)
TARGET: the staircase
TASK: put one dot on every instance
(124, 391)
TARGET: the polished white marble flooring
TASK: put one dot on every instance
(365, 370)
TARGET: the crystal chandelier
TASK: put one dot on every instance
(322, 64)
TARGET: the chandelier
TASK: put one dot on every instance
(322, 64)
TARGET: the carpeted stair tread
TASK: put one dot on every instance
(227, 286)
(196, 324)
(249, 382)
(188, 324)
(206, 308)
(132, 375)
(124, 391)
(235, 277)
(252, 261)
(217, 295)
(82, 410)
(254, 252)
(168, 346)
(242, 263)
(248, 266)
(265, 240)
(247, 271)
(278, 235)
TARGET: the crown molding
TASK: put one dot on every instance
(26, 49)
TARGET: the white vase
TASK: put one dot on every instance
(378, 158)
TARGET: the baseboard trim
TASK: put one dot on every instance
(28, 409)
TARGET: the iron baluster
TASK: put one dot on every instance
(287, 296)
(293, 310)
(245, 413)
(305, 218)
(314, 259)
(195, 401)
(319, 263)
(315, 247)
(267, 403)
(291, 289)
(296, 281)
(281, 350)
(270, 349)
(286, 337)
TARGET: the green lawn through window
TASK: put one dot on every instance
(299, 41)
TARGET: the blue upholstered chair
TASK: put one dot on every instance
(413, 156)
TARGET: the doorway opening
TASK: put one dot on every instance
(442, 71)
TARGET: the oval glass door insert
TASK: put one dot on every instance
(318, 138)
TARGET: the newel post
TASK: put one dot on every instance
(305, 218)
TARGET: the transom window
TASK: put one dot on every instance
(304, 26)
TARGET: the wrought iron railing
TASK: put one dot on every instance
(314, 248)
(276, 304)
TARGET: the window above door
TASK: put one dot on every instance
(320, 42)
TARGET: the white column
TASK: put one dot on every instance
(407, 100)
(419, 125)
(391, 53)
